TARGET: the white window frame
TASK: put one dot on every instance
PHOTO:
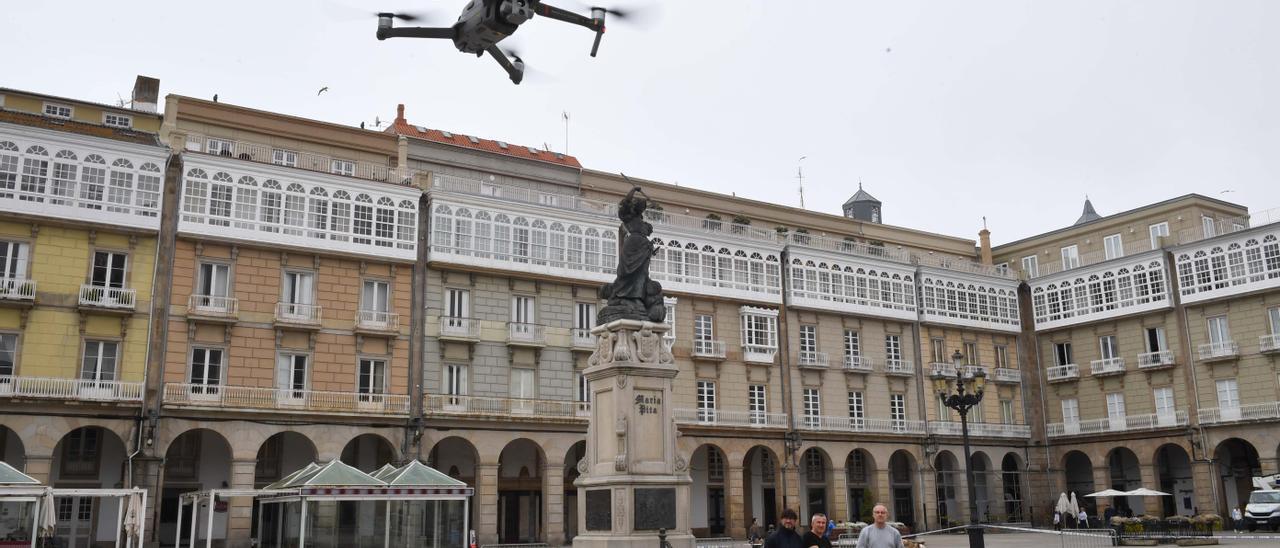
(584, 315)
(857, 408)
(284, 157)
(527, 386)
(584, 387)
(705, 401)
(812, 399)
(1228, 394)
(207, 382)
(760, 328)
(457, 304)
(1164, 401)
(1031, 265)
(808, 339)
(1273, 320)
(1063, 354)
(1162, 343)
(8, 356)
(1070, 257)
(852, 343)
(105, 365)
(1001, 354)
(1007, 415)
(1156, 231)
(381, 296)
(898, 410)
(1115, 405)
(1070, 411)
(1108, 347)
(220, 147)
(704, 333)
(14, 262)
(454, 379)
(377, 381)
(892, 348)
(342, 167)
(288, 367)
(121, 120)
(55, 110)
(1209, 226)
(116, 261)
(1113, 246)
(1219, 330)
(524, 309)
(757, 404)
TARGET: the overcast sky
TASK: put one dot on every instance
(947, 111)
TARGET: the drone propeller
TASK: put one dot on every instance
(406, 17)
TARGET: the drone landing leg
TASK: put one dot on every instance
(514, 70)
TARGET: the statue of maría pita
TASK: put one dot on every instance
(632, 295)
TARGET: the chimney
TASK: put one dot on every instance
(984, 239)
(146, 93)
(400, 114)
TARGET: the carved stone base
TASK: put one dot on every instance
(633, 481)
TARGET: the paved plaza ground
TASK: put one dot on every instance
(1044, 540)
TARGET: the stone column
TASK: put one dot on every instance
(736, 517)
(928, 503)
(839, 494)
(1150, 505)
(240, 509)
(39, 467)
(553, 503)
(1101, 480)
(882, 490)
(487, 498)
(1204, 479)
(1269, 465)
(995, 494)
(791, 495)
(634, 481)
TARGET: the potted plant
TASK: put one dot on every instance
(740, 224)
(712, 222)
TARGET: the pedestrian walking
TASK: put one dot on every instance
(879, 534)
(1057, 521)
(1236, 518)
(753, 533)
(1084, 519)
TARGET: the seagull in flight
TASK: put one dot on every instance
(322, 90)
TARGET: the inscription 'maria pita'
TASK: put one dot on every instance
(633, 295)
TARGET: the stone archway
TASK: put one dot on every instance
(984, 486)
(520, 492)
(1077, 470)
(815, 483)
(1237, 464)
(1125, 475)
(368, 452)
(860, 480)
(87, 457)
(1173, 475)
(707, 507)
(459, 459)
(902, 484)
(576, 453)
(12, 451)
(197, 460)
(1011, 472)
(761, 487)
(280, 455)
(947, 472)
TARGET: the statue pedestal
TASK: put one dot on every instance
(633, 481)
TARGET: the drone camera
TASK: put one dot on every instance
(516, 11)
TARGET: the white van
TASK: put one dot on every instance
(1263, 509)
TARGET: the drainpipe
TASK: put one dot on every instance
(417, 329)
(784, 346)
(1184, 332)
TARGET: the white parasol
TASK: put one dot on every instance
(1108, 493)
(1144, 492)
(133, 515)
(48, 514)
(1075, 504)
(1063, 504)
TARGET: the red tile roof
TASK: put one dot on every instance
(403, 127)
(73, 126)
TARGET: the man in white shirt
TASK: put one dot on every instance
(879, 534)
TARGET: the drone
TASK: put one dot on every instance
(484, 23)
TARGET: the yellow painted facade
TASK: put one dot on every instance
(51, 344)
(88, 113)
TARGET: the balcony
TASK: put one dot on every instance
(1269, 343)
(377, 323)
(858, 364)
(1126, 423)
(899, 367)
(459, 329)
(813, 358)
(1252, 412)
(583, 339)
(1006, 374)
(1219, 351)
(115, 299)
(306, 316)
(949, 370)
(1106, 366)
(17, 292)
(210, 307)
(283, 399)
(69, 389)
(709, 350)
(753, 353)
(1059, 373)
(984, 429)
(829, 423)
(264, 153)
(484, 407)
(526, 334)
(1155, 360)
(716, 417)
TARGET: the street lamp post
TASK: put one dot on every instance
(964, 399)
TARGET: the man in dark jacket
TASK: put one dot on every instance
(816, 535)
(786, 536)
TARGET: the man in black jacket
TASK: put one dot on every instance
(817, 528)
(786, 536)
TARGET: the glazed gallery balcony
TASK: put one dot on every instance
(250, 398)
(1125, 423)
(69, 389)
(497, 408)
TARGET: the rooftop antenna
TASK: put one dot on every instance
(565, 114)
(984, 222)
(800, 177)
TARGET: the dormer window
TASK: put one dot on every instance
(57, 110)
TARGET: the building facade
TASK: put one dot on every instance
(262, 291)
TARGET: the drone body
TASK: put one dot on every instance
(484, 23)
